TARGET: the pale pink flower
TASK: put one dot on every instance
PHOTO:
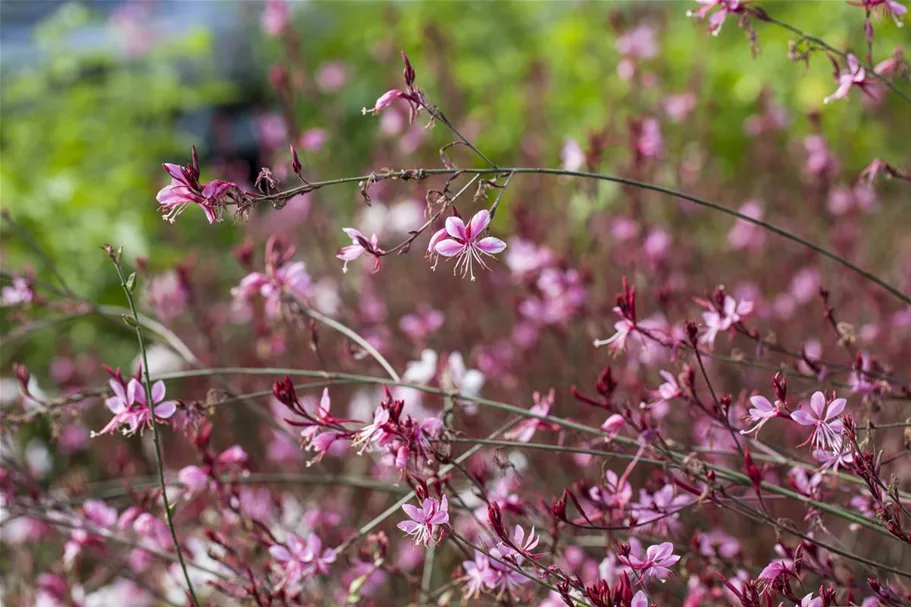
(657, 562)
(423, 323)
(286, 278)
(679, 107)
(130, 408)
(639, 43)
(649, 142)
(299, 560)
(854, 75)
(746, 235)
(761, 412)
(612, 425)
(640, 600)
(19, 292)
(526, 429)
(463, 241)
(384, 101)
(809, 601)
(881, 8)
(716, 322)
(776, 569)
(572, 155)
(828, 427)
(359, 245)
(478, 575)
(331, 76)
(276, 16)
(624, 328)
(426, 520)
(193, 478)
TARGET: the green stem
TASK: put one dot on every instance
(156, 439)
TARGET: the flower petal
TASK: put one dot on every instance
(478, 223)
(166, 409)
(456, 228)
(158, 391)
(491, 245)
(449, 248)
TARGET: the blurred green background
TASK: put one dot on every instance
(86, 125)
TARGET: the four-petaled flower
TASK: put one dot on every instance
(131, 409)
(828, 427)
(526, 429)
(657, 562)
(462, 241)
(426, 520)
(725, 7)
(359, 245)
(761, 412)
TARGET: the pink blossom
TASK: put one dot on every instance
(384, 101)
(359, 245)
(761, 412)
(882, 8)
(331, 76)
(193, 478)
(423, 323)
(130, 408)
(657, 562)
(19, 292)
(298, 560)
(612, 425)
(426, 521)
(746, 235)
(776, 569)
(809, 601)
(167, 294)
(464, 242)
(820, 160)
(679, 107)
(526, 429)
(717, 321)
(640, 600)
(649, 142)
(624, 328)
(855, 75)
(312, 140)
(725, 8)
(276, 16)
(639, 42)
(828, 427)
(478, 575)
(572, 156)
(185, 189)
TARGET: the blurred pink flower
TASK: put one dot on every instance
(276, 16)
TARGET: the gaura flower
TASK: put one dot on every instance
(426, 520)
(828, 427)
(462, 241)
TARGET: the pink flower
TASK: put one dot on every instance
(624, 328)
(282, 277)
(761, 412)
(572, 155)
(612, 425)
(193, 478)
(459, 240)
(359, 245)
(384, 101)
(130, 408)
(426, 521)
(299, 560)
(185, 189)
(275, 17)
(657, 562)
(526, 429)
(725, 7)
(717, 321)
(478, 574)
(855, 75)
(746, 235)
(776, 569)
(881, 8)
(649, 142)
(19, 292)
(423, 323)
(828, 427)
(809, 601)
(640, 600)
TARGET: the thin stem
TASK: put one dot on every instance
(156, 439)
(421, 173)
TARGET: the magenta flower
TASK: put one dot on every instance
(185, 189)
(761, 412)
(359, 245)
(776, 569)
(855, 75)
(882, 8)
(828, 427)
(300, 560)
(275, 17)
(459, 240)
(657, 562)
(130, 408)
(524, 545)
(426, 521)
